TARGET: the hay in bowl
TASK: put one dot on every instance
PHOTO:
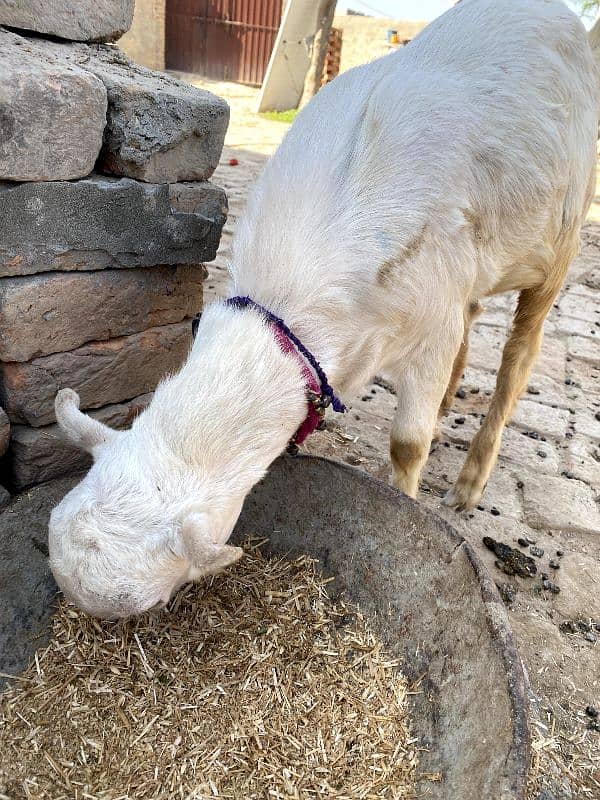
(253, 684)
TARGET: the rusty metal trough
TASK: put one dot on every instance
(427, 593)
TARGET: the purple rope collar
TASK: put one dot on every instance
(247, 302)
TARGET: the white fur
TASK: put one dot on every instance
(492, 111)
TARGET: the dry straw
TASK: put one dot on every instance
(254, 684)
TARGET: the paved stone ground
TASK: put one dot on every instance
(545, 488)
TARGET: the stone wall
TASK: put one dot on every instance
(365, 38)
(144, 42)
(107, 215)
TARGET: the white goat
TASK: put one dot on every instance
(408, 189)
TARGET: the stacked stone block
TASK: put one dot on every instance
(106, 218)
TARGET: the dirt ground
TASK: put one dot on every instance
(544, 489)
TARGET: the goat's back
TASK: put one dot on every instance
(486, 121)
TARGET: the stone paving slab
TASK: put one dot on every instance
(99, 223)
(36, 311)
(79, 20)
(158, 129)
(556, 504)
(52, 116)
(100, 372)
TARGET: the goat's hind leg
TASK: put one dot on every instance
(518, 358)
(474, 310)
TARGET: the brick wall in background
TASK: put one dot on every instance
(107, 217)
(365, 38)
(144, 42)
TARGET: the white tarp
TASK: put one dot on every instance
(284, 80)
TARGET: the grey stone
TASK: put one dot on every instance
(545, 420)
(485, 352)
(583, 460)
(586, 348)
(53, 313)
(580, 302)
(28, 588)
(106, 222)
(576, 327)
(4, 431)
(516, 448)
(579, 597)
(101, 372)
(559, 504)
(587, 424)
(83, 20)
(41, 454)
(158, 129)
(52, 115)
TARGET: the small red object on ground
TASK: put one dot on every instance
(233, 162)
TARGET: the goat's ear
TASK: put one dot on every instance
(206, 555)
(81, 430)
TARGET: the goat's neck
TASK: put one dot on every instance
(234, 406)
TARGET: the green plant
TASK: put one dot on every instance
(283, 116)
(589, 7)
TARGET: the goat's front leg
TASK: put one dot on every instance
(421, 383)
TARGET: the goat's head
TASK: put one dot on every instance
(120, 543)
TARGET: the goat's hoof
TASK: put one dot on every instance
(463, 496)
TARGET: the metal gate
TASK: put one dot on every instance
(228, 40)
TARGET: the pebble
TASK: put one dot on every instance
(520, 484)
(542, 454)
(475, 390)
(554, 564)
(591, 637)
(567, 627)
(494, 511)
(522, 542)
(597, 416)
(594, 726)
(591, 711)
(551, 587)
(537, 552)
(461, 394)
(508, 592)
(459, 420)
(532, 390)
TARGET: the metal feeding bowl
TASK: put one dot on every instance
(426, 593)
